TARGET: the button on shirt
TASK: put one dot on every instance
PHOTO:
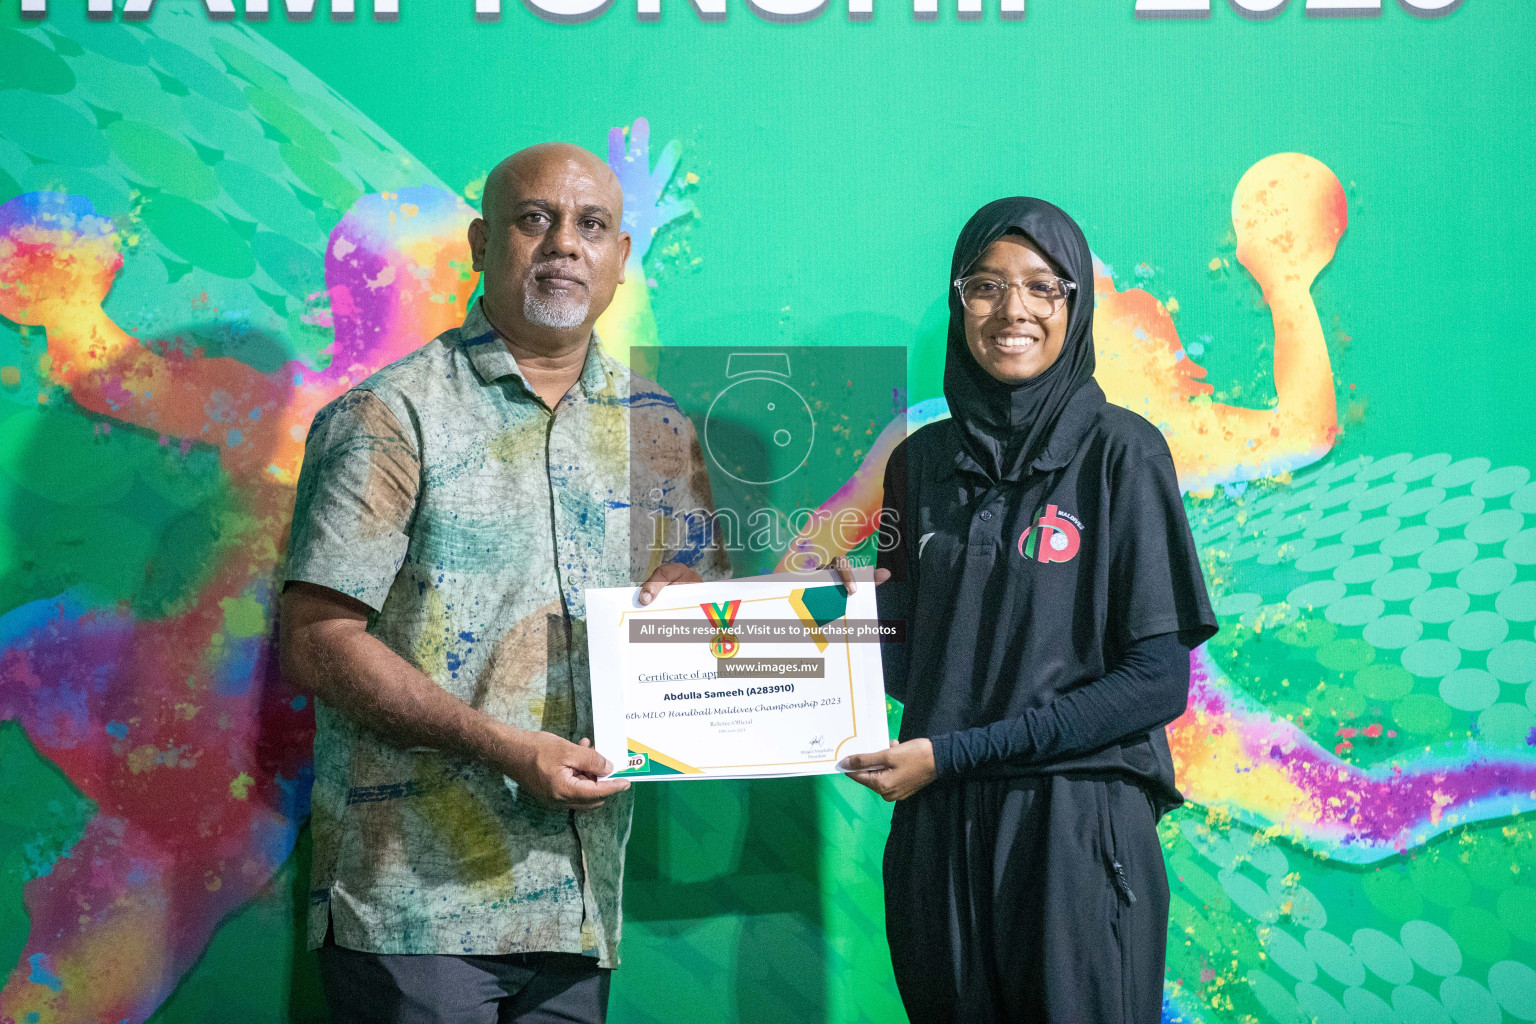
(444, 495)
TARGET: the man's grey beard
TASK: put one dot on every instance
(552, 311)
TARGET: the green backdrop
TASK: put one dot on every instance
(1359, 844)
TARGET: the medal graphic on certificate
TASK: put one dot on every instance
(774, 676)
(724, 645)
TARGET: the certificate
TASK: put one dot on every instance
(754, 678)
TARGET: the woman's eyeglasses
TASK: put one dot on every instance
(983, 294)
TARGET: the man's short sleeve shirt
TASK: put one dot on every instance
(446, 497)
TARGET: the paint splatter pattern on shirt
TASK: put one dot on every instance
(445, 496)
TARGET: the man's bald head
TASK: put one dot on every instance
(551, 244)
(510, 177)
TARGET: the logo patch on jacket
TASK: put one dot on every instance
(1054, 536)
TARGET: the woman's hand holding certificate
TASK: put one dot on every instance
(776, 675)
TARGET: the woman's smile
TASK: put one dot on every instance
(1013, 341)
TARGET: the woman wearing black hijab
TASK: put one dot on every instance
(1040, 557)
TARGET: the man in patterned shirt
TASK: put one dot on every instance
(451, 512)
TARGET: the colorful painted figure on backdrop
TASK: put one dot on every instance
(151, 717)
(194, 692)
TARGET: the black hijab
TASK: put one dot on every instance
(1005, 427)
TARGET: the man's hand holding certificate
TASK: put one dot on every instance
(749, 678)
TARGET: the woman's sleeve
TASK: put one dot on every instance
(894, 596)
(1146, 690)
(1155, 583)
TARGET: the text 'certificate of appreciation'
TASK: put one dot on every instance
(776, 675)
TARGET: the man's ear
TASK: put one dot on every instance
(624, 246)
(477, 237)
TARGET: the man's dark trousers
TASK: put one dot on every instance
(518, 988)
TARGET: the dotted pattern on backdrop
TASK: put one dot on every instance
(224, 173)
(1384, 604)
(1260, 931)
(1387, 607)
